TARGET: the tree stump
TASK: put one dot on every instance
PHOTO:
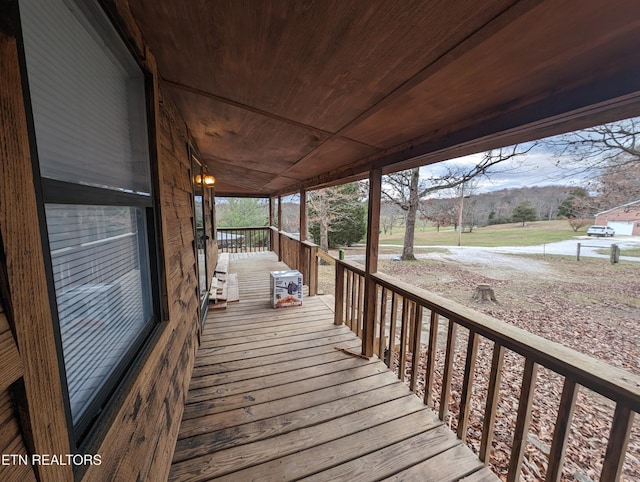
(484, 293)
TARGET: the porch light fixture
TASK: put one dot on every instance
(208, 180)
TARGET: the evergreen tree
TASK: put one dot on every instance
(524, 212)
(243, 213)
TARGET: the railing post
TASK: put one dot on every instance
(279, 228)
(373, 236)
(270, 210)
(302, 249)
(339, 294)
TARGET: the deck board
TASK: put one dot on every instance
(272, 399)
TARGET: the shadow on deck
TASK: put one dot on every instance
(272, 399)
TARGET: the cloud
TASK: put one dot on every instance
(540, 167)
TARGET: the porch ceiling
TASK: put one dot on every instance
(284, 94)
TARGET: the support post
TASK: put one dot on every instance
(460, 214)
(279, 228)
(302, 256)
(303, 215)
(371, 265)
(271, 234)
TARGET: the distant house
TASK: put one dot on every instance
(624, 219)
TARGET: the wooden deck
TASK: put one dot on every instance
(272, 399)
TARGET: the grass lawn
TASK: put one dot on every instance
(533, 233)
(623, 252)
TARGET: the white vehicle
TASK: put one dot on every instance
(600, 231)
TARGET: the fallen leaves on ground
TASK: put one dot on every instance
(590, 306)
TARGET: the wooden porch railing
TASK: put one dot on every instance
(301, 256)
(400, 310)
(243, 240)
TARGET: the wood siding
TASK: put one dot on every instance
(137, 433)
(140, 441)
(24, 286)
(11, 439)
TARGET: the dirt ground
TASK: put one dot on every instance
(591, 306)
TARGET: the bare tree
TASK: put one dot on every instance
(578, 208)
(619, 183)
(405, 188)
(318, 212)
(613, 144)
(441, 212)
(291, 213)
(390, 215)
(336, 212)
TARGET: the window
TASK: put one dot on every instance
(203, 233)
(88, 103)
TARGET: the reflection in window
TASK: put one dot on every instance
(101, 282)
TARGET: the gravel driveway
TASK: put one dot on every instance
(500, 257)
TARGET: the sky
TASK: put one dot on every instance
(536, 168)
(548, 162)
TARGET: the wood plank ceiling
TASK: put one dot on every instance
(283, 94)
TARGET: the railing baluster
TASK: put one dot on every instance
(383, 320)
(349, 300)
(417, 331)
(612, 383)
(617, 446)
(403, 337)
(467, 385)
(392, 329)
(410, 331)
(360, 305)
(493, 393)
(354, 304)
(522, 421)
(313, 271)
(561, 430)
(355, 319)
(448, 370)
(431, 358)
